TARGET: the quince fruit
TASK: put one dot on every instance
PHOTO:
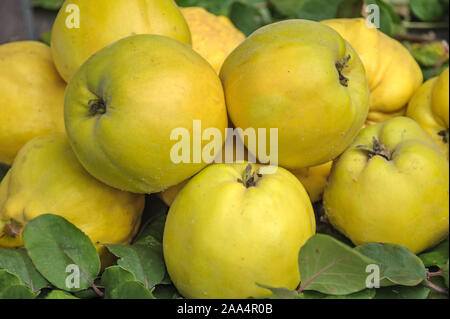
(46, 178)
(302, 78)
(231, 228)
(31, 96)
(392, 72)
(391, 186)
(430, 107)
(125, 103)
(213, 37)
(83, 27)
(314, 179)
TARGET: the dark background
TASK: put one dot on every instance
(19, 21)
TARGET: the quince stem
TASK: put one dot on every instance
(12, 229)
(340, 65)
(445, 135)
(249, 177)
(378, 149)
(97, 106)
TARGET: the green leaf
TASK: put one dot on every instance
(427, 10)
(350, 9)
(48, 4)
(165, 292)
(17, 292)
(437, 281)
(398, 264)
(12, 288)
(216, 7)
(3, 170)
(113, 277)
(438, 256)
(429, 73)
(17, 262)
(53, 244)
(444, 269)
(318, 10)
(59, 294)
(402, 292)
(144, 262)
(324, 262)
(155, 224)
(8, 279)
(289, 7)
(364, 294)
(428, 54)
(221, 7)
(89, 293)
(248, 18)
(131, 290)
(281, 293)
(166, 280)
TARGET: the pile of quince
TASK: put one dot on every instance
(91, 124)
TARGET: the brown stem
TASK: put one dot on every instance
(436, 274)
(97, 106)
(424, 38)
(378, 149)
(249, 177)
(445, 135)
(12, 229)
(441, 290)
(340, 65)
(97, 291)
(440, 272)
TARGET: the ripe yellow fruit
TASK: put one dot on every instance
(169, 195)
(391, 186)
(124, 104)
(102, 22)
(46, 178)
(430, 107)
(31, 96)
(314, 179)
(302, 78)
(392, 72)
(230, 228)
(213, 37)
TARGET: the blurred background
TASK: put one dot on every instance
(422, 25)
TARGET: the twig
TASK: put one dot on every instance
(429, 37)
(436, 287)
(97, 291)
(440, 272)
(425, 25)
